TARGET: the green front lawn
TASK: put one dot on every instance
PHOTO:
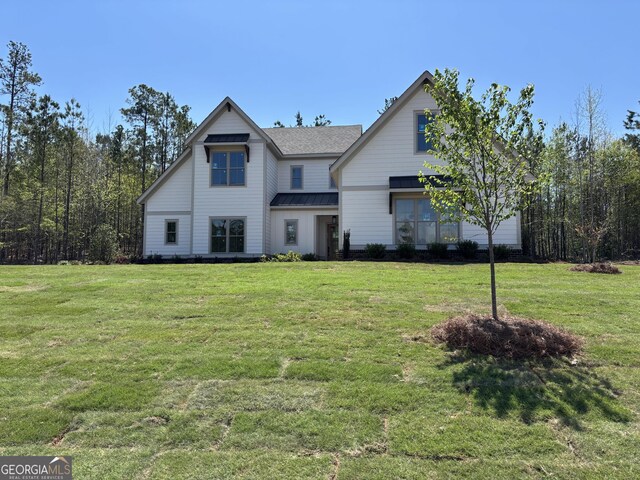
(313, 370)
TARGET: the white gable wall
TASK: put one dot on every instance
(228, 122)
(222, 202)
(171, 201)
(175, 193)
(391, 152)
(365, 178)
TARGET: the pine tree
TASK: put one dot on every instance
(16, 82)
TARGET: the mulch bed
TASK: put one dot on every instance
(509, 337)
(600, 267)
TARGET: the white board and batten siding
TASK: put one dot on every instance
(173, 203)
(225, 201)
(365, 181)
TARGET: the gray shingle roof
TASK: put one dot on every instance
(306, 140)
(305, 199)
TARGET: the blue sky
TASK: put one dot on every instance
(337, 57)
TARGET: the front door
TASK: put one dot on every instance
(332, 241)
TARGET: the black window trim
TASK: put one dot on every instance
(166, 231)
(294, 221)
(416, 221)
(228, 152)
(301, 187)
(227, 234)
(416, 132)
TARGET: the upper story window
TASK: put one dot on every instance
(296, 177)
(171, 232)
(418, 223)
(421, 143)
(228, 168)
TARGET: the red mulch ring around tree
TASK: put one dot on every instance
(596, 268)
(509, 337)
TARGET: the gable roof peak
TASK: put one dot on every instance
(425, 77)
(226, 105)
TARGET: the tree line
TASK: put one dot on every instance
(589, 208)
(62, 184)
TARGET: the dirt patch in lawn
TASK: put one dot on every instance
(21, 288)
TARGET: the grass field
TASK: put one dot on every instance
(313, 370)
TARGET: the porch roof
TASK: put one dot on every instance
(412, 181)
(227, 138)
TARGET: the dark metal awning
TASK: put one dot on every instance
(412, 181)
(227, 138)
(323, 199)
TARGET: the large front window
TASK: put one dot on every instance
(418, 223)
(227, 168)
(227, 235)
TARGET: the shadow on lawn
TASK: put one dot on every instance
(537, 390)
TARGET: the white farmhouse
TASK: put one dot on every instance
(241, 190)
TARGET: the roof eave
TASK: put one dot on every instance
(293, 156)
(382, 119)
(219, 109)
(304, 207)
(189, 143)
(161, 179)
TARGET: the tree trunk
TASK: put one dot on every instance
(118, 195)
(494, 300)
(67, 204)
(57, 215)
(10, 120)
(37, 247)
(139, 242)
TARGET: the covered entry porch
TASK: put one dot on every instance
(327, 236)
(305, 223)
